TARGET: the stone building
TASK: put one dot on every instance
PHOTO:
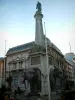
(70, 57)
(1, 71)
(27, 63)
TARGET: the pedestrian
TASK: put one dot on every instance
(2, 92)
(18, 90)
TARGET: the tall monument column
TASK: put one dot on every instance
(39, 36)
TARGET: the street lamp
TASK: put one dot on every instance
(49, 91)
(4, 62)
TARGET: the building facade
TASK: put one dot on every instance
(70, 59)
(1, 71)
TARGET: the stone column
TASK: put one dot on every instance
(39, 36)
(42, 76)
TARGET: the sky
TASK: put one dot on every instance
(17, 23)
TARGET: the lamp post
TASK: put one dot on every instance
(70, 47)
(49, 91)
(5, 62)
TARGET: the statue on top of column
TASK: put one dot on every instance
(38, 6)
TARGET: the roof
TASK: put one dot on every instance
(20, 48)
(69, 57)
(53, 46)
(56, 48)
(29, 46)
(70, 53)
(74, 57)
(69, 62)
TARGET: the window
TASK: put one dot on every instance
(21, 55)
(58, 63)
(20, 64)
(35, 60)
(50, 60)
(54, 53)
(61, 65)
(14, 57)
(17, 58)
(14, 65)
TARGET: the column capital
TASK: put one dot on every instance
(38, 15)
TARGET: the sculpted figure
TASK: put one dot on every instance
(38, 6)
